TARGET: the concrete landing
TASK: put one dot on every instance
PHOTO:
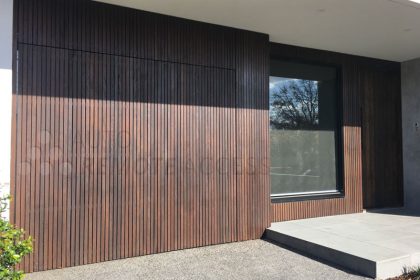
(375, 244)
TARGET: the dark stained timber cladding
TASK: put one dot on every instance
(382, 142)
(135, 133)
(252, 133)
(97, 27)
(371, 115)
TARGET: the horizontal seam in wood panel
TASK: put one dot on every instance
(128, 56)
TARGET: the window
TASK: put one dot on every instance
(304, 130)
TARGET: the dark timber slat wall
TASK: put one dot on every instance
(252, 134)
(382, 138)
(370, 115)
(136, 133)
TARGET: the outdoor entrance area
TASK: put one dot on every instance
(137, 131)
(378, 244)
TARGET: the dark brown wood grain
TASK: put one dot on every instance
(371, 115)
(382, 138)
(136, 133)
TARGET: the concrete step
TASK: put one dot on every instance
(361, 257)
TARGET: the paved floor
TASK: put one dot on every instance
(243, 260)
(378, 244)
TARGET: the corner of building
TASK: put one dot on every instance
(6, 42)
(410, 101)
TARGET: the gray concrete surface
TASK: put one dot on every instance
(410, 91)
(243, 260)
(377, 244)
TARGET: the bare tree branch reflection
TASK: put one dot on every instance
(294, 105)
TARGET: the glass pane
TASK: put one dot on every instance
(303, 128)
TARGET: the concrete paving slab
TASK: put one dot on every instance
(380, 235)
(378, 245)
(410, 245)
(414, 228)
(342, 229)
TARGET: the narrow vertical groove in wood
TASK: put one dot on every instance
(136, 133)
(358, 86)
(127, 131)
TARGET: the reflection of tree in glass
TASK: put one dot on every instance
(294, 104)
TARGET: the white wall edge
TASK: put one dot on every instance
(6, 55)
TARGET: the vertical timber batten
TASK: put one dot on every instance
(136, 133)
(364, 81)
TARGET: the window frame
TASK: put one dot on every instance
(339, 141)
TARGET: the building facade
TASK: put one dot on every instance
(135, 133)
